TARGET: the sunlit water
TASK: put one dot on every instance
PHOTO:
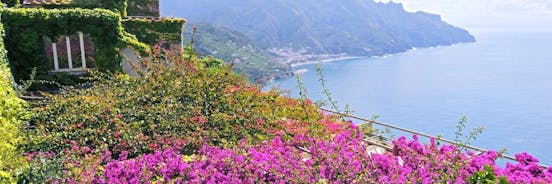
(503, 83)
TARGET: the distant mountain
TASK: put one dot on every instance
(353, 27)
(234, 47)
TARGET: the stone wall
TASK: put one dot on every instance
(143, 8)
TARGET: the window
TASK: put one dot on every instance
(70, 53)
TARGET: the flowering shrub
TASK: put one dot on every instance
(185, 105)
(527, 170)
(191, 123)
(344, 159)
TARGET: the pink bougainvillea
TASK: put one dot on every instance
(341, 160)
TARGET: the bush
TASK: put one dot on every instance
(12, 113)
(151, 32)
(119, 6)
(343, 159)
(176, 102)
(11, 3)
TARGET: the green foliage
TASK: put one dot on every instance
(12, 113)
(185, 104)
(234, 47)
(487, 176)
(333, 104)
(466, 140)
(11, 3)
(119, 6)
(26, 29)
(167, 30)
(43, 168)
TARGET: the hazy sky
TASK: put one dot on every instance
(515, 14)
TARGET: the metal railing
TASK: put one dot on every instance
(437, 138)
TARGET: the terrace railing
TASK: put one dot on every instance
(385, 142)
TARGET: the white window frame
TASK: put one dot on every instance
(69, 55)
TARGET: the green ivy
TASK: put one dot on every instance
(149, 31)
(12, 113)
(26, 28)
(11, 3)
(114, 5)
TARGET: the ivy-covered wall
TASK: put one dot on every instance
(151, 31)
(12, 112)
(114, 5)
(25, 29)
(11, 3)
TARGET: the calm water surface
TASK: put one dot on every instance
(503, 83)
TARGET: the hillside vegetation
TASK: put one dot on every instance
(361, 28)
(234, 47)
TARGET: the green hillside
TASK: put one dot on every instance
(234, 47)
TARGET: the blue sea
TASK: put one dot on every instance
(503, 83)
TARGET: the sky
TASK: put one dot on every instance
(508, 14)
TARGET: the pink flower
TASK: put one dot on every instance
(86, 149)
(201, 120)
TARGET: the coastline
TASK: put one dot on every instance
(293, 65)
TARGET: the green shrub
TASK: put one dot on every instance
(11, 3)
(119, 6)
(176, 102)
(168, 30)
(12, 113)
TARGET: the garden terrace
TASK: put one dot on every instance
(197, 122)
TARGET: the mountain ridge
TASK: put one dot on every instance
(355, 27)
(298, 31)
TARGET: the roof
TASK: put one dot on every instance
(45, 2)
